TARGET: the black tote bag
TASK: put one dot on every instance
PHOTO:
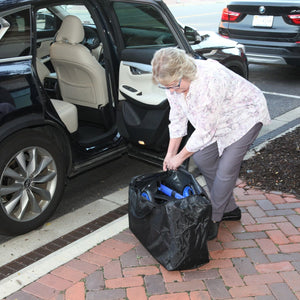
(173, 230)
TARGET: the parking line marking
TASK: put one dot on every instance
(283, 95)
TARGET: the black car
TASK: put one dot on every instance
(76, 91)
(228, 52)
(269, 30)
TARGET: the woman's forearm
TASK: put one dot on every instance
(174, 144)
(184, 154)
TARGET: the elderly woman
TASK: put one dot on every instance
(227, 112)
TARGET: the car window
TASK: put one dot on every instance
(79, 11)
(49, 20)
(142, 25)
(15, 34)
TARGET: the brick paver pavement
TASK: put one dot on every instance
(255, 258)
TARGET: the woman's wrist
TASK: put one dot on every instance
(184, 154)
(171, 154)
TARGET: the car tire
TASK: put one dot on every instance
(32, 178)
(237, 67)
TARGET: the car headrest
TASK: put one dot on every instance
(71, 30)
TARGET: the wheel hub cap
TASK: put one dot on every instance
(27, 183)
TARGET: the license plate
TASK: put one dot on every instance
(262, 21)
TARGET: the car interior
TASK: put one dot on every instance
(75, 80)
(70, 64)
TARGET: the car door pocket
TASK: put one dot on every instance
(131, 116)
(143, 124)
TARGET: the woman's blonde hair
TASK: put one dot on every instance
(171, 64)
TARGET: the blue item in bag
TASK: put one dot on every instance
(187, 191)
(169, 192)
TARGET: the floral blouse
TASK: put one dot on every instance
(221, 105)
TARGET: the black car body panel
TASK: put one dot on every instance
(270, 30)
(52, 128)
(226, 51)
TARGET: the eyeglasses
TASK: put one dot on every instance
(171, 87)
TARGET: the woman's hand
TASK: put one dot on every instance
(174, 144)
(172, 162)
(167, 161)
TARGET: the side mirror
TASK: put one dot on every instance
(192, 35)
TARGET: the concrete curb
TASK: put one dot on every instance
(36, 270)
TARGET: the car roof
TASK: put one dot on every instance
(17, 3)
(9, 4)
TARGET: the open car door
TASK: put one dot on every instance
(141, 28)
(142, 117)
(143, 109)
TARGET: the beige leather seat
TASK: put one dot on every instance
(81, 78)
(66, 111)
(42, 70)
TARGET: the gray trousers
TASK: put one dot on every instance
(221, 172)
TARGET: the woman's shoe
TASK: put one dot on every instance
(213, 229)
(233, 215)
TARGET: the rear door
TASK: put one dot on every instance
(142, 28)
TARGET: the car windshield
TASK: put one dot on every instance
(79, 11)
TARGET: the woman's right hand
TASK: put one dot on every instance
(167, 161)
(174, 144)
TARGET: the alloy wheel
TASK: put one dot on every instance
(28, 183)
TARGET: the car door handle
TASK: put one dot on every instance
(138, 71)
(129, 88)
(138, 68)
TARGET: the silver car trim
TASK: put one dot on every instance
(265, 59)
(4, 27)
(12, 59)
